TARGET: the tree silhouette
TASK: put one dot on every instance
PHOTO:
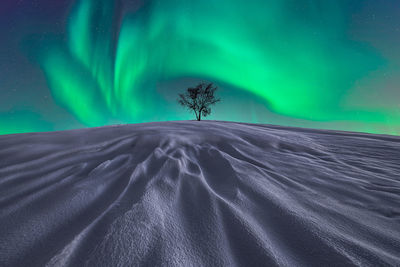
(199, 99)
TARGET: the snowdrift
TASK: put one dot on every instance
(199, 194)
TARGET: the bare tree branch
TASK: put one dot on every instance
(199, 99)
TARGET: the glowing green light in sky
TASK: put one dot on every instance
(294, 56)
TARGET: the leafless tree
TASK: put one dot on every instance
(199, 99)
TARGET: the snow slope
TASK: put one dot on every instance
(199, 194)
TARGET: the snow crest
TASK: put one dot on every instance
(199, 194)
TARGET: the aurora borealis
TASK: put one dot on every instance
(310, 63)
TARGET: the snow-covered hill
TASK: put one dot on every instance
(199, 194)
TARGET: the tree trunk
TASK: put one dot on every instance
(197, 116)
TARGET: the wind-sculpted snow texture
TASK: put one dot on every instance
(199, 194)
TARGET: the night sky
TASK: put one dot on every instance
(332, 64)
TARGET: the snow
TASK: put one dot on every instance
(199, 194)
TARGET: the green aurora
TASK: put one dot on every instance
(296, 58)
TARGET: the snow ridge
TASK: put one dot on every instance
(199, 194)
